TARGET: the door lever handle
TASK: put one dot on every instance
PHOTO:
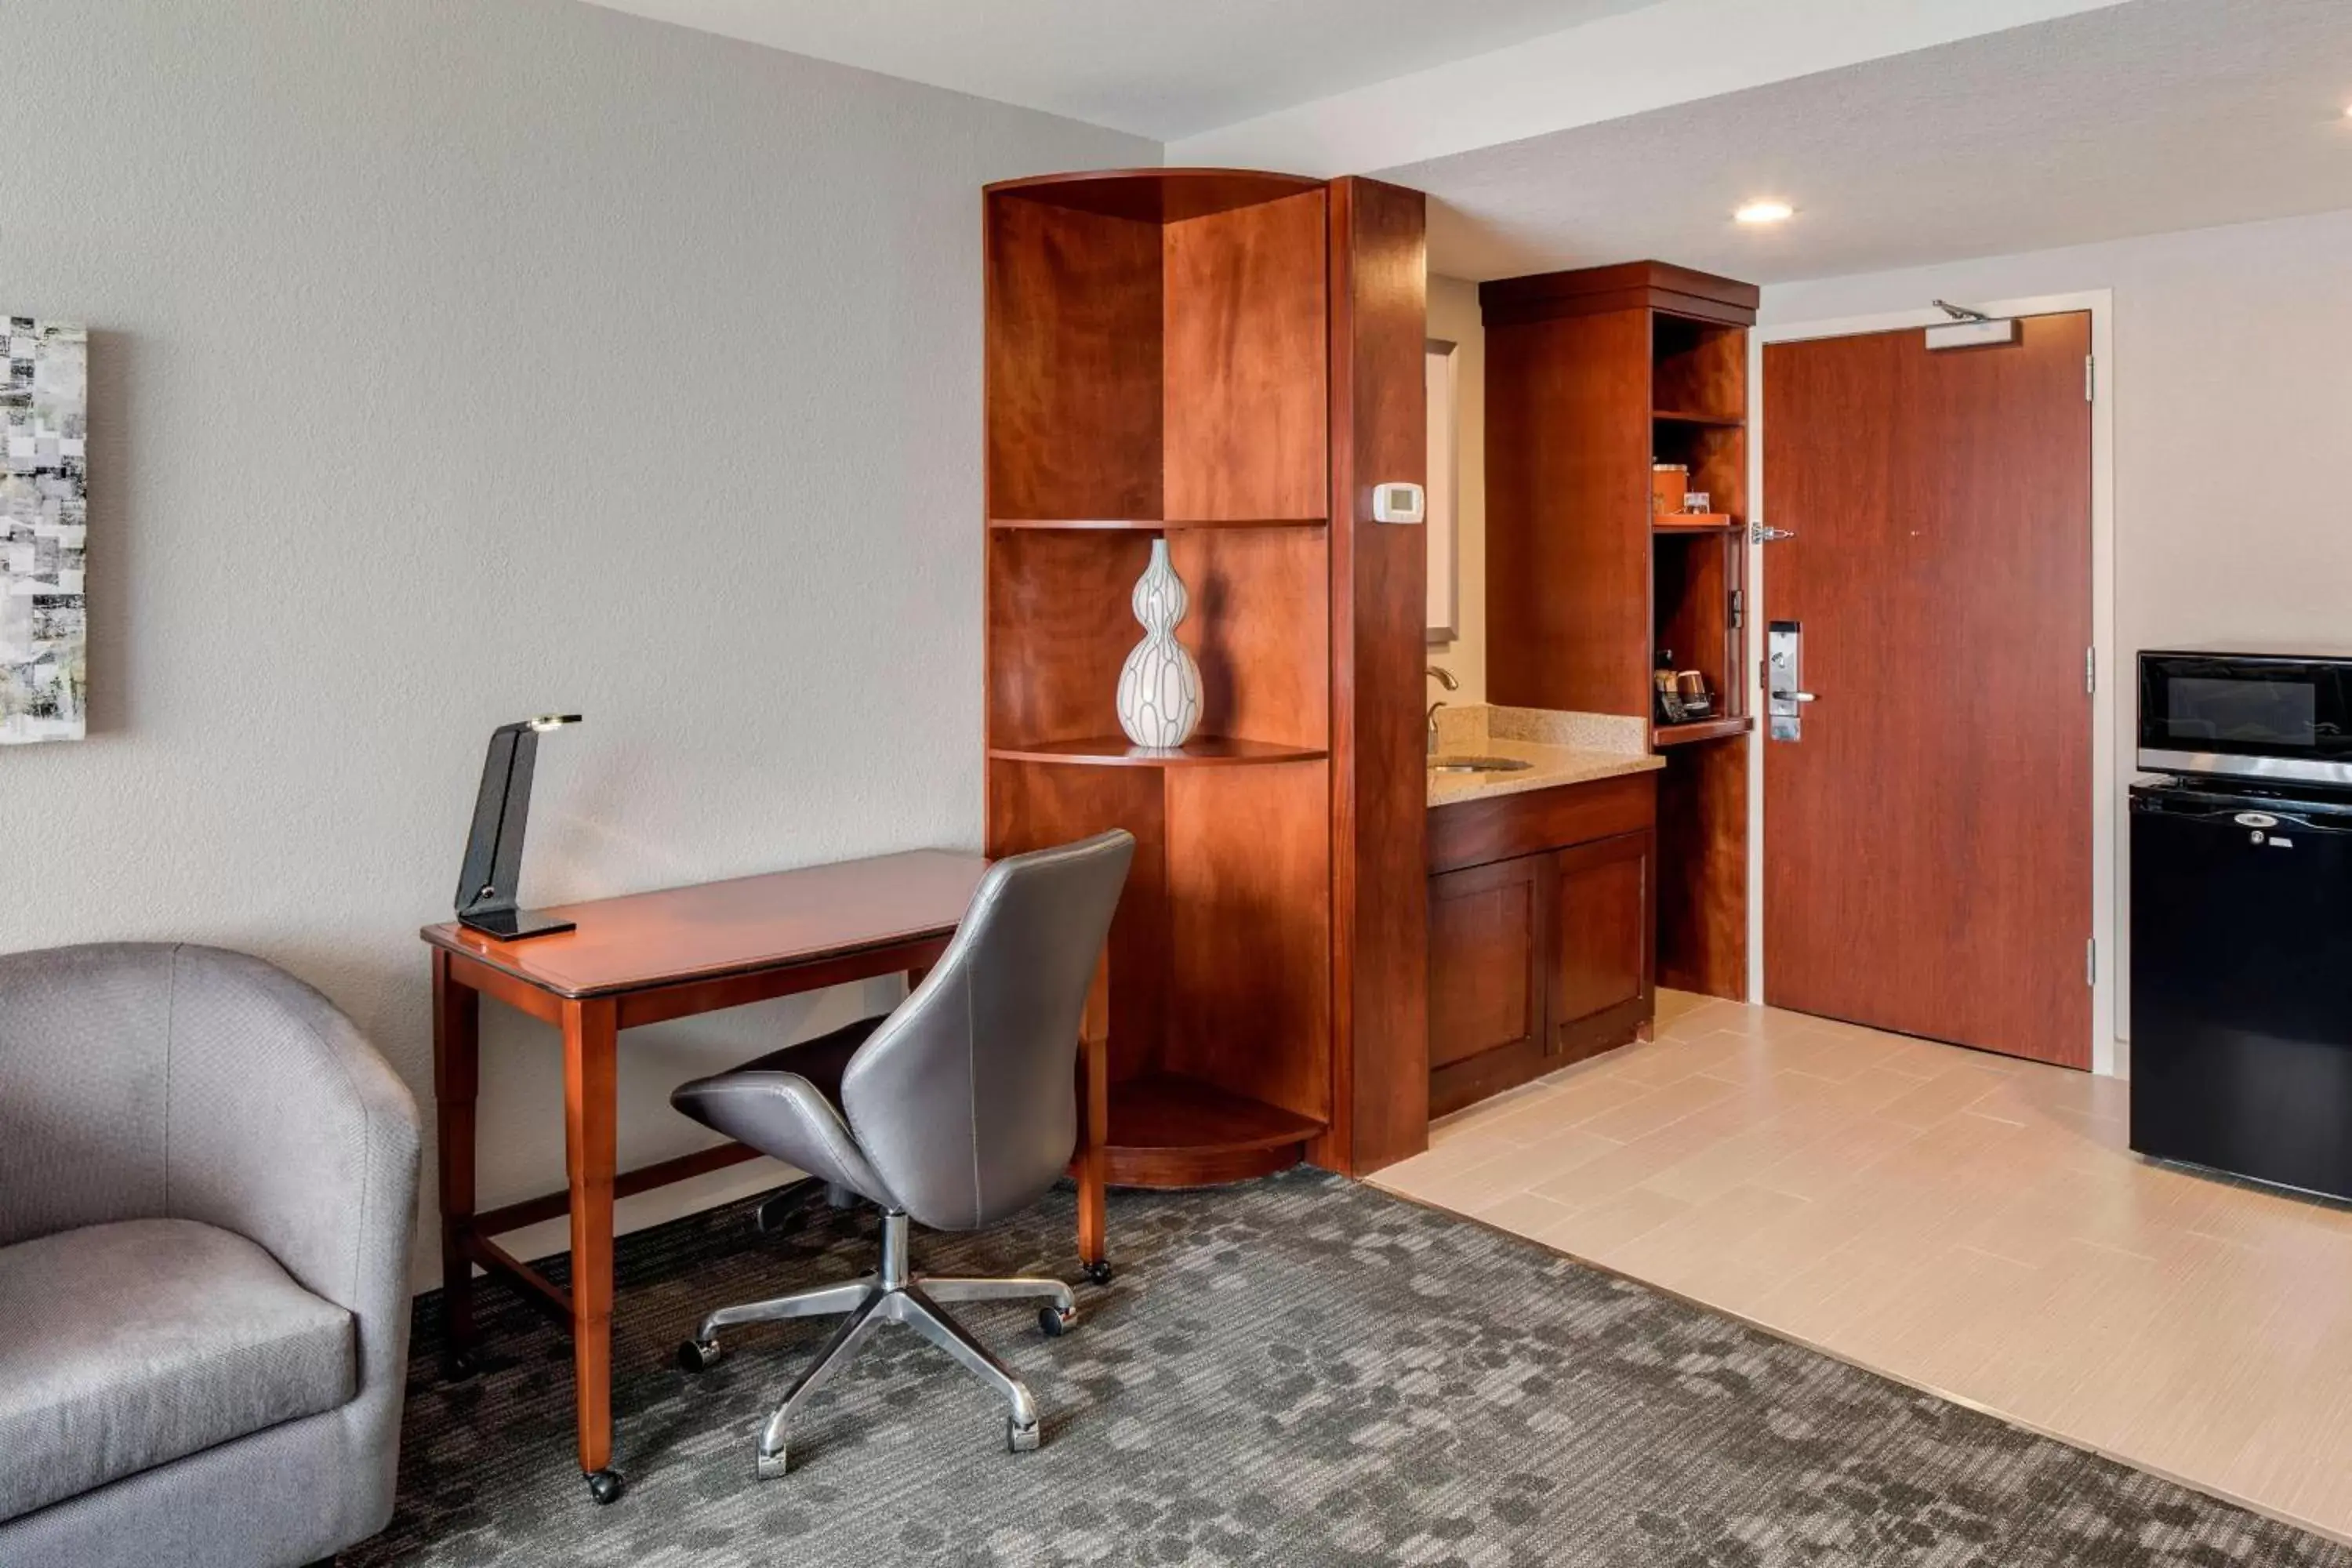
(1795, 697)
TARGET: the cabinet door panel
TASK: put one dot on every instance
(1486, 951)
(1602, 963)
(1484, 943)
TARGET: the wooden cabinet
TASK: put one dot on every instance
(1487, 972)
(1538, 956)
(1592, 376)
(1602, 986)
(1226, 361)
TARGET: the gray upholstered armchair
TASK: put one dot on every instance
(208, 1186)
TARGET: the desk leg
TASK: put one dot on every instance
(1093, 1126)
(590, 1038)
(457, 1085)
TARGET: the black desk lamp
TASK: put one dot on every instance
(485, 886)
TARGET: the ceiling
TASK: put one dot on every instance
(1142, 66)
(2143, 118)
(1555, 133)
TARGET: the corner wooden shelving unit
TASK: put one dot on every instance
(1193, 354)
(1591, 377)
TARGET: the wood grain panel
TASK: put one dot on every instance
(456, 1094)
(1380, 431)
(1245, 404)
(1488, 1074)
(1486, 961)
(1170, 1131)
(1602, 985)
(1260, 627)
(1073, 306)
(1473, 832)
(1203, 751)
(1033, 806)
(1628, 286)
(1059, 626)
(1699, 368)
(649, 940)
(1488, 967)
(1568, 509)
(686, 999)
(1155, 195)
(1927, 857)
(1247, 1003)
(590, 1067)
(1693, 581)
(1703, 868)
(1717, 456)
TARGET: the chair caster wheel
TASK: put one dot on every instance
(1020, 1439)
(457, 1366)
(699, 1355)
(604, 1486)
(1053, 1322)
(767, 1466)
(1099, 1271)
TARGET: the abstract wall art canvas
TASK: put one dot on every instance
(44, 526)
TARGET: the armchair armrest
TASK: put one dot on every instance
(284, 1125)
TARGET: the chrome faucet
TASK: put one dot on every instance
(1444, 678)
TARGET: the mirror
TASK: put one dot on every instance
(1444, 593)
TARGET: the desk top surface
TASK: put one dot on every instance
(728, 928)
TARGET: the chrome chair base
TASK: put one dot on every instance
(891, 1295)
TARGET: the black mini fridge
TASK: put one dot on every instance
(2241, 980)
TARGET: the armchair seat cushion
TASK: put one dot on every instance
(131, 1344)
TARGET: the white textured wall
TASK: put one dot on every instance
(2233, 405)
(453, 361)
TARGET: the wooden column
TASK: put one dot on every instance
(1378, 433)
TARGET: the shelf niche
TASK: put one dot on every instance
(1592, 376)
(1160, 353)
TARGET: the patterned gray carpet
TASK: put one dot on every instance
(1301, 1372)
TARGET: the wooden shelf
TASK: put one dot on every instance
(1153, 525)
(1594, 377)
(1704, 729)
(1173, 359)
(1171, 1130)
(1116, 752)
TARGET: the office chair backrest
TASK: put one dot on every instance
(964, 1100)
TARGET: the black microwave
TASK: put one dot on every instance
(2282, 716)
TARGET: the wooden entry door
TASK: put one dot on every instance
(1928, 840)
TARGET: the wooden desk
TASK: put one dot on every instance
(647, 958)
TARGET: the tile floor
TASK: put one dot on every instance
(1962, 1222)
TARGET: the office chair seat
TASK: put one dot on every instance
(787, 1105)
(822, 1061)
(958, 1110)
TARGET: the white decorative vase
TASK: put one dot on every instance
(1159, 686)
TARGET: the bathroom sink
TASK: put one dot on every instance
(1478, 765)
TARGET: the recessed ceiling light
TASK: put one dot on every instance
(1765, 212)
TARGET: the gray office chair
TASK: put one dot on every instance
(958, 1110)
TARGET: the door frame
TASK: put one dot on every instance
(2107, 1053)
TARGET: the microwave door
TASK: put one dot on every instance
(2246, 716)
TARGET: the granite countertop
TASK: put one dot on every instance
(1565, 749)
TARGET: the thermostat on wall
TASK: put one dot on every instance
(1398, 503)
